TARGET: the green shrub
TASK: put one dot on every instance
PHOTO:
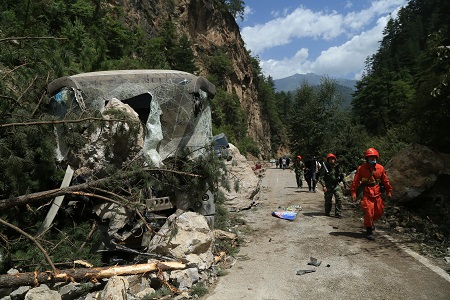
(221, 217)
(199, 289)
(248, 145)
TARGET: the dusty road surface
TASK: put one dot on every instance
(351, 266)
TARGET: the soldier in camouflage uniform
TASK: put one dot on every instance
(330, 176)
(299, 168)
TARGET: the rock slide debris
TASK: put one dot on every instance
(313, 262)
(303, 272)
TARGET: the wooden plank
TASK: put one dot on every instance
(57, 202)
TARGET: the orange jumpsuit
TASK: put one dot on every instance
(371, 202)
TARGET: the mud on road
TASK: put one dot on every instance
(275, 250)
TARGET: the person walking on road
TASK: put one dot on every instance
(371, 175)
(330, 177)
(319, 167)
(313, 168)
(299, 168)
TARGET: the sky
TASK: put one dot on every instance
(325, 37)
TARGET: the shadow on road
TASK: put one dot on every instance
(313, 214)
(356, 235)
(302, 191)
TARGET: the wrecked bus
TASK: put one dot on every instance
(172, 105)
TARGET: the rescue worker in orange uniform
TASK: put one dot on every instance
(371, 175)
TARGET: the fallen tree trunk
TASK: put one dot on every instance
(84, 274)
(25, 199)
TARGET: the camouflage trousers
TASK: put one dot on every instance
(299, 178)
(338, 197)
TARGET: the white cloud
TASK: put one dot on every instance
(303, 22)
(346, 60)
(300, 23)
(277, 13)
(247, 11)
(279, 68)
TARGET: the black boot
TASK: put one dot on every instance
(370, 234)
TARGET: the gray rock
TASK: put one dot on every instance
(74, 290)
(191, 244)
(416, 171)
(19, 294)
(42, 292)
(116, 288)
(184, 279)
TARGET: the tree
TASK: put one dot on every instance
(400, 92)
(236, 8)
(305, 129)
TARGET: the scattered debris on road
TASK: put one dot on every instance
(313, 262)
(287, 213)
(303, 272)
(283, 214)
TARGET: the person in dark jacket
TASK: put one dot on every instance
(313, 168)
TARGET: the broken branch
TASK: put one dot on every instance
(54, 122)
(32, 38)
(26, 90)
(55, 271)
(25, 199)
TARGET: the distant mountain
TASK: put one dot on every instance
(292, 83)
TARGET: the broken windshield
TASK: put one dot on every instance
(173, 105)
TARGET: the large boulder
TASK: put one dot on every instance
(419, 172)
(114, 143)
(187, 237)
(116, 288)
(241, 173)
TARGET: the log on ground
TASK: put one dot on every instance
(84, 274)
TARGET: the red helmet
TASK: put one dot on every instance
(331, 155)
(372, 152)
(299, 157)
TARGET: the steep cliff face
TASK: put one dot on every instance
(209, 27)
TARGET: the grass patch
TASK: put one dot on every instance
(221, 272)
(164, 291)
(199, 290)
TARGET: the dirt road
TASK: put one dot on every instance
(351, 266)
